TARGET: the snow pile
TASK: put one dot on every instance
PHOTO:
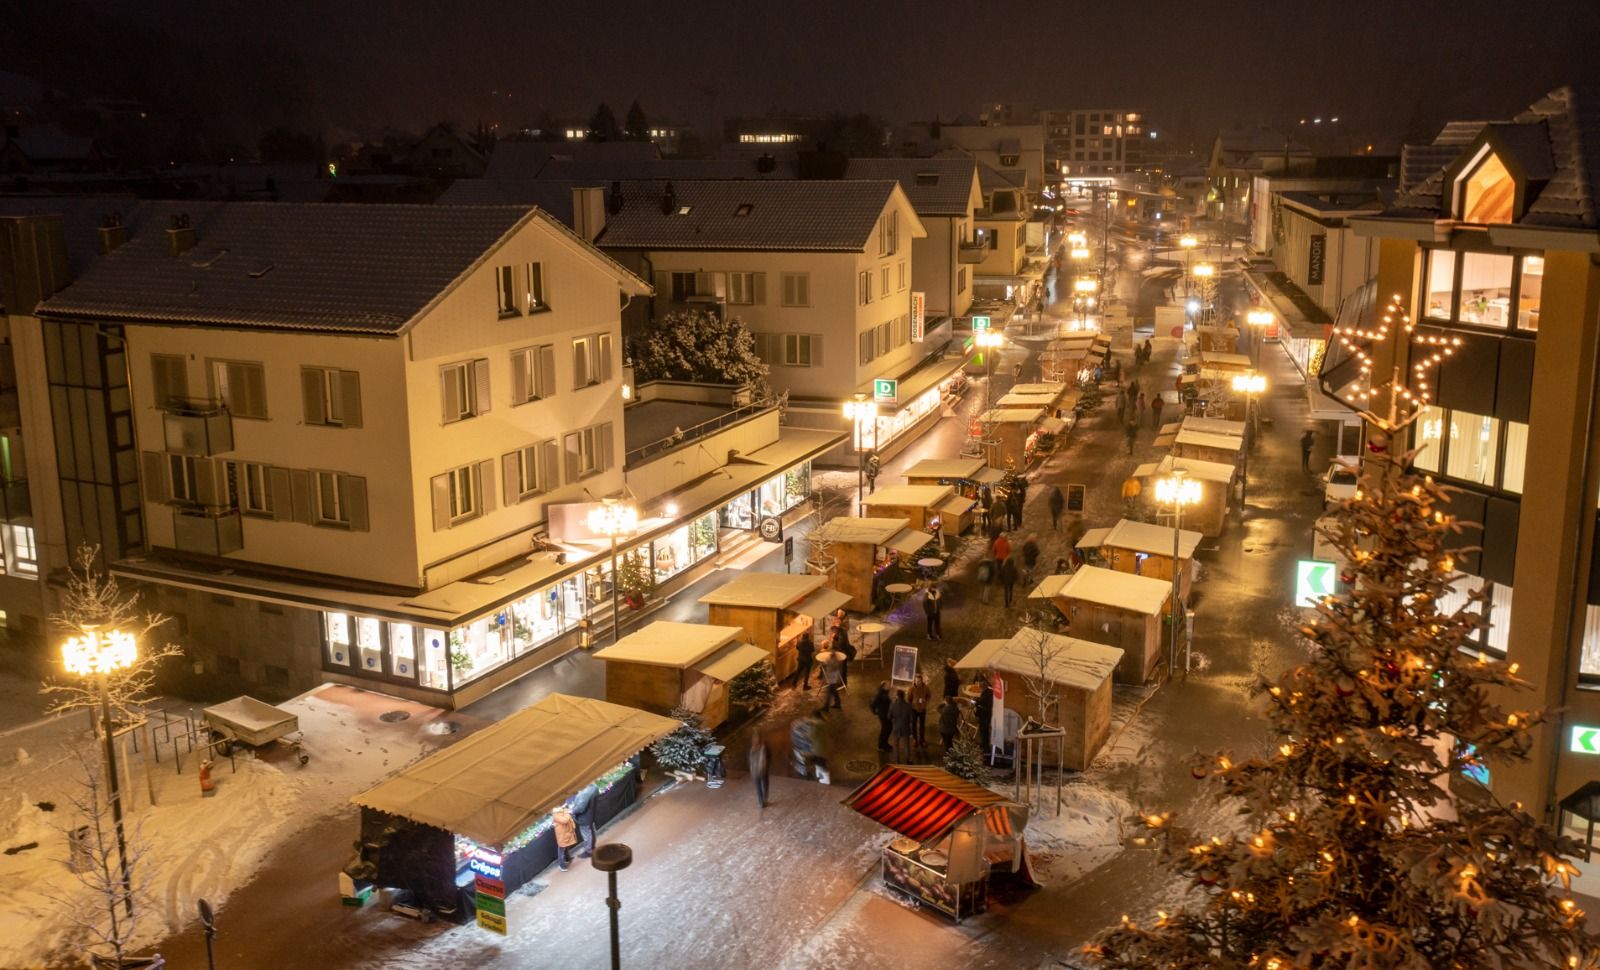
(1086, 834)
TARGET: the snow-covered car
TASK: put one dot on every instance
(1339, 482)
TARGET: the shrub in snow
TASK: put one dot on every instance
(683, 749)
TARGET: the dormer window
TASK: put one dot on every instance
(1008, 160)
(684, 210)
(927, 178)
(1486, 191)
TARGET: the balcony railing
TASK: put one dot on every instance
(202, 428)
(209, 531)
(972, 252)
(700, 430)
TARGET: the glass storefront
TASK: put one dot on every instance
(684, 546)
(892, 425)
(775, 496)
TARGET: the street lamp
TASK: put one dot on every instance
(862, 411)
(611, 519)
(1188, 243)
(611, 858)
(1177, 490)
(1085, 290)
(990, 341)
(100, 653)
(1259, 321)
(1204, 272)
(1249, 384)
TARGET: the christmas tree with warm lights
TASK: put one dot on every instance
(1351, 848)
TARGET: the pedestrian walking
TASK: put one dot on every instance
(1131, 429)
(1141, 407)
(984, 709)
(760, 759)
(880, 709)
(1001, 550)
(900, 726)
(920, 694)
(1307, 442)
(1148, 350)
(986, 578)
(1097, 373)
(841, 621)
(833, 680)
(1014, 507)
(1030, 558)
(566, 835)
(848, 651)
(1058, 504)
(806, 650)
(997, 513)
(1155, 410)
(949, 722)
(952, 679)
(931, 604)
(1133, 389)
(1008, 578)
(1122, 406)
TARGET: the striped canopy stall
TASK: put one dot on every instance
(922, 802)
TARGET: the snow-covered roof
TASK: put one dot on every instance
(775, 590)
(668, 643)
(1072, 662)
(1201, 439)
(894, 533)
(962, 468)
(1023, 415)
(1125, 591)
(1213, 426)
(1205, 471)
(912, 496)
(1156, 540)
(1218, 358)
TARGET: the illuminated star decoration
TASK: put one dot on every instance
(1398, 391)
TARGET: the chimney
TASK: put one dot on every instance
(588, 211)
(180, 236)
(669, 201)
(112, 232)
(33, 261)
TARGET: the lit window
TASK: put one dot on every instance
(1473, 442)
(1487, 192)
(1530, 288)
(1441, 278)
(22, 552)
(536, 299)
(1429, 438)
(1485, 289)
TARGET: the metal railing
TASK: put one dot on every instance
(685, 435)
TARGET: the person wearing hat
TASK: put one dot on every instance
(566, 835)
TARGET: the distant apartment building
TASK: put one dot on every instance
(1238, 155)
(1017, 151)
(1097, 141)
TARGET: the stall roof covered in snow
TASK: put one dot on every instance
(1212, 426)
(895, 533)
(1156, 540)
(1022, 415)
(1204, 471)
(668, 643)
(911, 496)
(966, 469)
(1125, 591)
(493, 784)
(1218, 358)
(1202, 439)
(1073, 662)
(775, 590)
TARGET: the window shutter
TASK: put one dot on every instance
(484, 473)
(549, 454)
(171, 378)
(511, 478)
(480, 386)
(816, 350)
(210, 483)
(255, 384)
(606, 459)
(450, 394)
(719, 285)
(570, 445)
(547, 371)
(580, 363)
(803, 289)
(663, 285)
(354, 490)
(602, 362)
(350, 397)
(155, 477)
(439, 486)
(702, 284)
(312, 387)
(304, 497)
(763, 345)
(758, 290)
(278, 494)
(519, 377)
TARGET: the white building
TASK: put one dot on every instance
(946, 195)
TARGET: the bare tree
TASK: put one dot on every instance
(830, 504)
(1040, 651)
(93, 599)
(106, 928)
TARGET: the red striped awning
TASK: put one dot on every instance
(922, 802)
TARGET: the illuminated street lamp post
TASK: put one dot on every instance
(1259, 321)
(990, 341)
(100, 653)
(1250, 385)
(1085, 290)
(1177, 490)
(1188, 243)
(1203, 273)
(612, 519)
(862, 411)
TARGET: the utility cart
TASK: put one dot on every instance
(245, 720)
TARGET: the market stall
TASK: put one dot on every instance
(1080, 673)
(923, 506)
(1210, 515)
(1050, 396)
(1207, 446)
(1010, 430)
(1144, 550)
(1216, 339)
(774, 610)
(1222, 426)
(667, 665)
(1226, 361)
(966, 475)
(863, 554)
(953, 836)
(1117, 609)
(470, 824)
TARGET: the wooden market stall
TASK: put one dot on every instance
(954, 834)
(1216, 339)
(1081, 672)
(1225, 361)
(1048, 395)
(1207, 446)
(1008, 430)
(774, 610)
(1144, 550)
(669, 664)
(922, 506)
(1220, 426)
(1117, 609)
(1216, 479)
(860, 550)
(967, 475)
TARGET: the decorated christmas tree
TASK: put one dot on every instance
(964, 760)
(683, 749)
(1352, 847)
(755, 687)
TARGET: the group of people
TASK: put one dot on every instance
(1001, 567)
(902, 714)
(573, 822)
(835, 672)
(1001, 509)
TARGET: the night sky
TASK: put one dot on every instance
(352, 67)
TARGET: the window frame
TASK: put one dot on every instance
(537, 298)
(222, 385)
(790, 352)
(505, 286)
(325, 485)
(463, 483)
(864, 287)
(800, 290)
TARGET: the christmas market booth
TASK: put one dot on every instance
(1210, 515)
(1216, 339)
(1207, 446)
(966, 475)
(1117, 609)
(1052, 396)
(774, 610)
(1009, 433)
(465, 827)
(1225, 361)
(926, 507)
(668, 665)
(1079, 672)
(954, 836)
(1144, 550)
(861, 555)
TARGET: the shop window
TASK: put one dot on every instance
(435, 660)
(1429, 438)
(1441, 284)
(1589, 661)
(1530, 287)
(1473, 441)
(1486, 289)
(338, 635)
(1497, 638)
(369, 643)
(1513, 463)
(22, 551)
(403, 650)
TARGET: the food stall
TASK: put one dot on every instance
(1009, 430)
(774, 610)
(1144, 550)
(1225, 361)
(922, 505)
(1069, 359)
(1207, 446)
(1080, 671)
(1216, 478)
(668, 665)
(967, 475)
(1216, 339)
(467, 826)
(954, 835)
(861, 549)
(1117, 609)
(1222, 426)
(1050, 396)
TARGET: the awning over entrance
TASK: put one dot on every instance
(821, 603)
(908, 541)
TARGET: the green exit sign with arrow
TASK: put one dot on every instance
(1585, 739)
(1313, 579)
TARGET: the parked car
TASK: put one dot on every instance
(1339, 483)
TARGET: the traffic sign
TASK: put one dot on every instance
(980, 324)
(1312, 581)
(1585, 739)
(885, 389)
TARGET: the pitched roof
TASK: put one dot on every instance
(326, 267)
(935, 186)
(526, 159)
(813, 216)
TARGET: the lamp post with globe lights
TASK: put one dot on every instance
(1249, 384)
(99, 653)
(612, 519)
(991, 341)
(863, 412)
(1187, 243)
(1177, 490)
(1259, 321)
(1083, 299)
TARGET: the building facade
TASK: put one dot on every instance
(1097, 141)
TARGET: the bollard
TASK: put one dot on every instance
(207, 786)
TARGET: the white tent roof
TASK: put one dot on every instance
(909, 496)
(962, 468)
(1203, 471)
(668, 643)
(1202, 439)
(1155, 540)
(1074, 662)
(775, 590)
(850, 529)
(1125, 591)
(491, 785)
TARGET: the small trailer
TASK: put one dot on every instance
(245, 720)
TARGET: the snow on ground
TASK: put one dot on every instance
(1085, 834)
(193, 846)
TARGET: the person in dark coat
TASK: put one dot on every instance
(880, 708)
(900, 726)
(1008, 578)
(1058, 504)
(984, 708)
(1030, 556)
(949, 722)
(932, 602)
(1131, 429)
(1014, 508)
(1155, 410)
(806, 650)
(919, 711)
(997, 513)
(1308, 441)
(952, 680)
(1133, 389)
(583, 813)
(759, 762)
(844, 646)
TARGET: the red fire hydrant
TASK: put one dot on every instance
(207, 786)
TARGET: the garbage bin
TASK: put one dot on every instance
(715, 772)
